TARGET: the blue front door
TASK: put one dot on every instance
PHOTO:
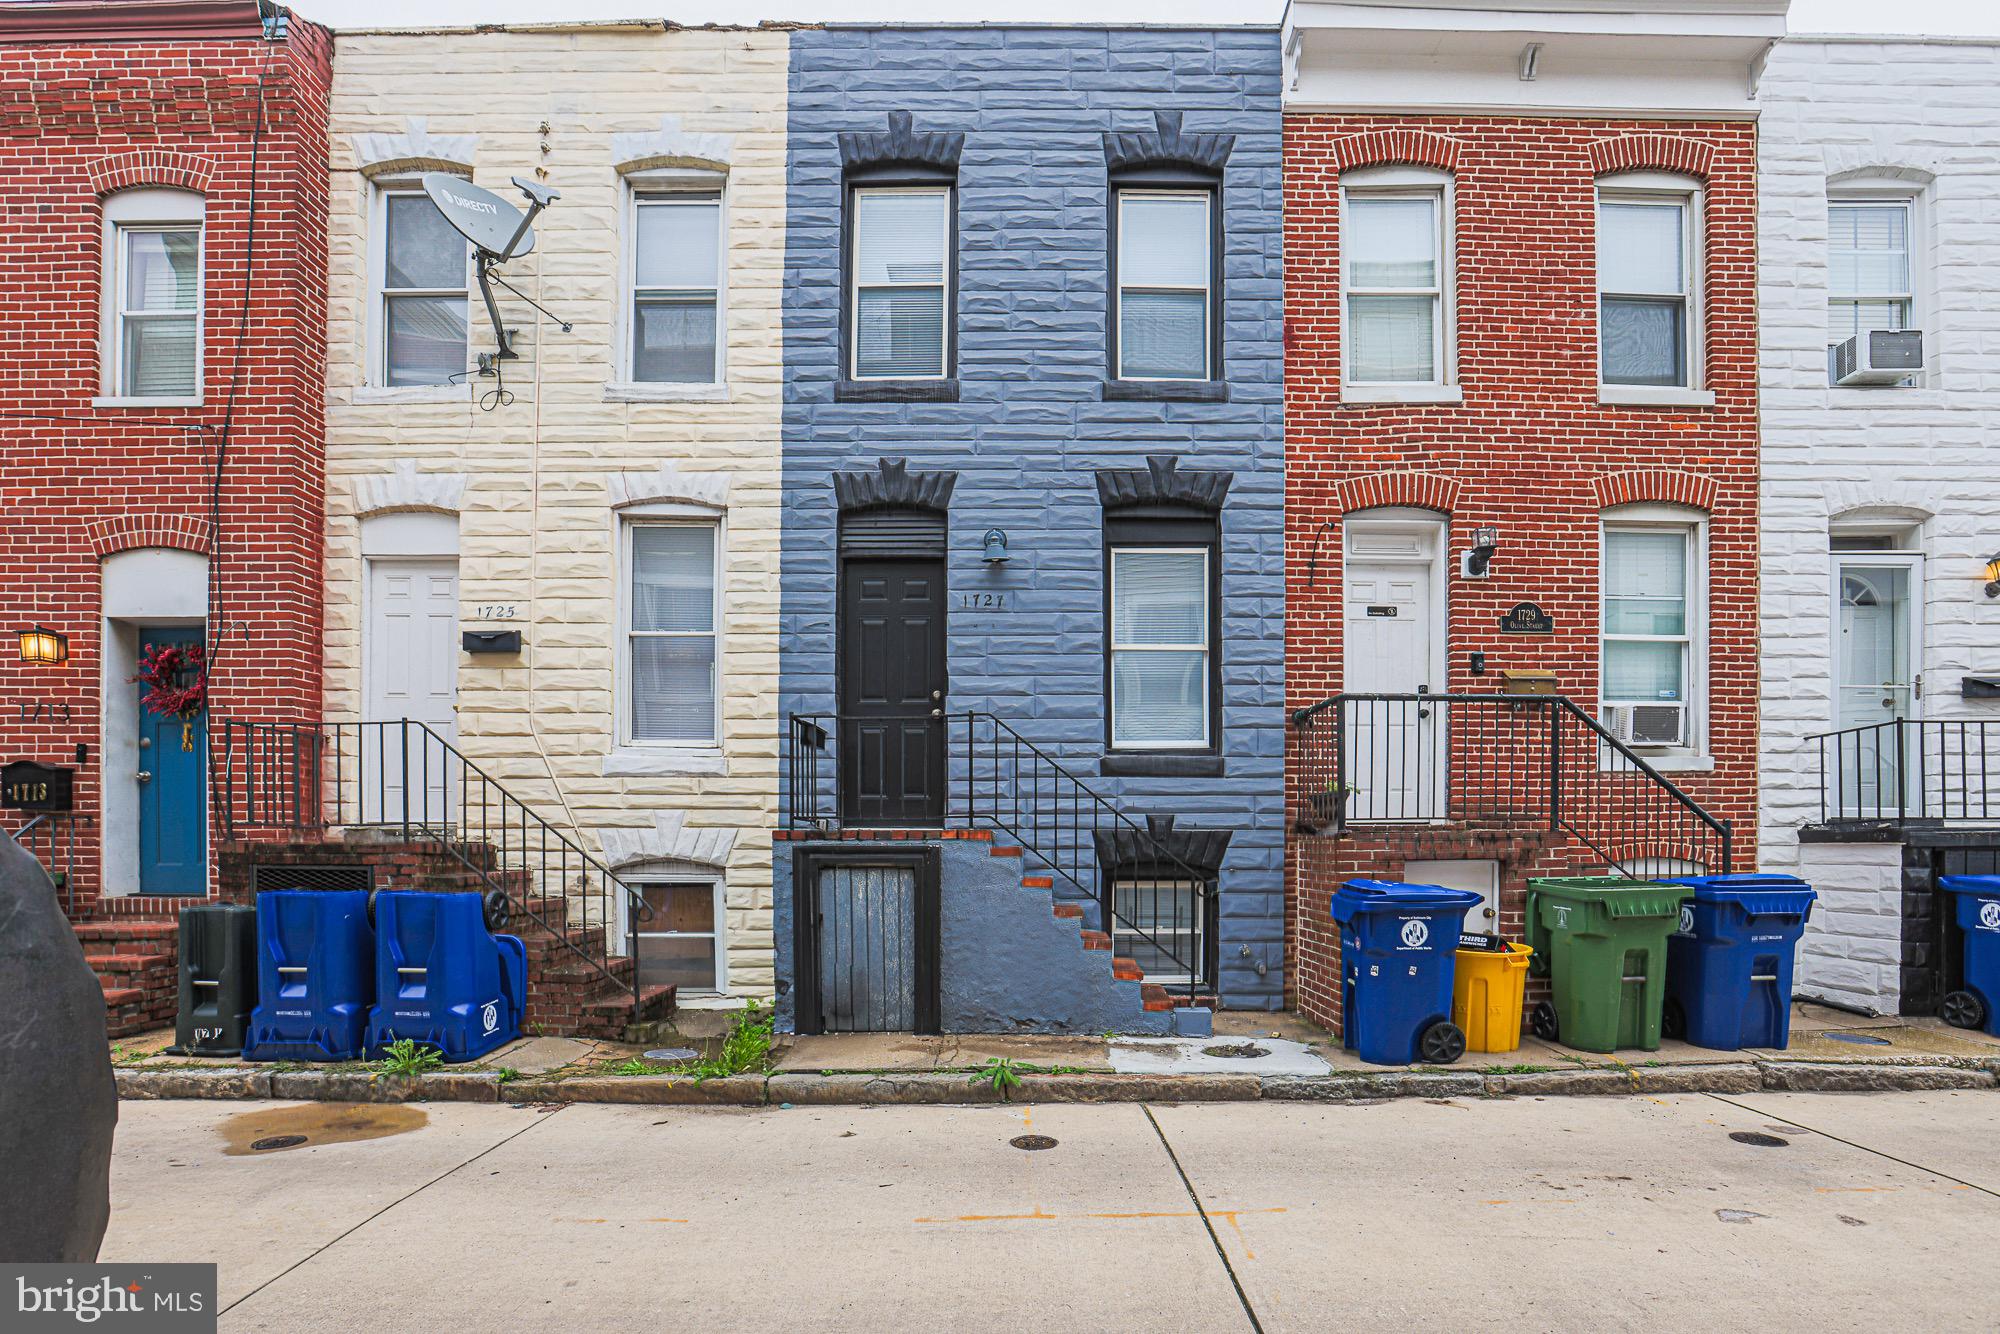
(173, 782)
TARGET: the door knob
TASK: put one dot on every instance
(937, 713)
(144, 775)
(937, 696)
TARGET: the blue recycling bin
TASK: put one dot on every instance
(1977, 1004)
(1397, 945)
(1729, 967)
(442, 979)
(315, 976)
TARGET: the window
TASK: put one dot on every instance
(1651, 624)
(1162, 647)
(424, 301)
(1165, 275)
(679, 945)
(1647, 331)
(1868, 267)
(1156, 923)
(670, 634)
(901, 277)
(153, 295)
(1394, 224)
(676, 288)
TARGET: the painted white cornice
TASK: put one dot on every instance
(669, 840)
(671, 146)
(416, 149)
(406, 489)
(668, 482)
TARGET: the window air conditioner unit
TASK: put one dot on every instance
(1647, 724)
(1884, 356)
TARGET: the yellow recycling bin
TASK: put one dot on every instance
(1488, 992)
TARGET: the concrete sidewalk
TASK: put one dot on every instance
(1636, 1213)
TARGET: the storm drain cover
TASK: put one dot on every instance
(1758, 1138)
(277, 1142)
(1236, 1051)
(667, 1055)
(1032, 1142)
(1862, 1039)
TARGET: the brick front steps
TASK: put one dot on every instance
(843, 1089)
(137, 962)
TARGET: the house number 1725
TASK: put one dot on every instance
(982, 599)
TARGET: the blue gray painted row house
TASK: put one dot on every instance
(1032, 336)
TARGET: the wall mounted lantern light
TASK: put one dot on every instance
(1993, 575)
(1485, 541)
(43, 645)
(995, 547)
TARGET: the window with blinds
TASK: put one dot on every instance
(676, 286)
(671, 632)
(424, 292)
(901, 274)
(159, 312)
(1165, 276)
(1868, 267)
(1645, 291)
(1647, 624)
(1392, 242)
(1161, 641)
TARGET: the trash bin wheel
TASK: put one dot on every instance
(1543, 1020)
(496, 908)
(1673, 1020)
(1962, 1009)
(1442, 1043)
(372, 895)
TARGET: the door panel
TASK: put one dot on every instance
(892, 686)
(1393, 637)
(173, 789)
(1877, 650)
(411, 671)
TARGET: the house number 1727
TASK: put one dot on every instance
(982, 599)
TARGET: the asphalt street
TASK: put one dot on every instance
(1875, 1212)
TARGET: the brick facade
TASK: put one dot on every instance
(80, 482)
(1530, 449)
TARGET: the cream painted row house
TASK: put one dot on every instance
(568, 571)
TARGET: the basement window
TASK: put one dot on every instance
(680, 944)
(1156, 923)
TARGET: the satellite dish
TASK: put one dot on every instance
(493, 225)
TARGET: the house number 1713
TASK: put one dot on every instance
(982, 599)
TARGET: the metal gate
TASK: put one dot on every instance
(1933, 944)
(867, 942)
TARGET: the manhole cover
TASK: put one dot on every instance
(1032, 1142)
(277, 1142)
(667, 1055)
(1860, 1039)
(1758, 1138)
(1236, 1051)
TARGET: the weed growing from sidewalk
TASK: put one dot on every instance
(506, 1073)
(1001, 1074)
(746, 1050)
(408, 1058)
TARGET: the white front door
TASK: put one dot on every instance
(1876, 651)
(1394, 645)
(410, 670)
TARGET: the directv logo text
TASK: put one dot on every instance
(479, 204)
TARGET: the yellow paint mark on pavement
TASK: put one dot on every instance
(1042, 1215)
(1531, 1201)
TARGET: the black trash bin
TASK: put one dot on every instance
(218, 982)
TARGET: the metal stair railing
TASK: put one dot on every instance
(1945, 771)
(403, 779)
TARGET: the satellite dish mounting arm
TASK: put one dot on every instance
(539, 198)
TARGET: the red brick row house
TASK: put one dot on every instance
(1521, 468)
(163, 179)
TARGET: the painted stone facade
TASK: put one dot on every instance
(532, 495)
(1881, 470)
(114, 534)
(1026, 437)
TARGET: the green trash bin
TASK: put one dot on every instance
(1602, 942)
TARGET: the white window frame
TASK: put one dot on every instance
(1887, 192)
(946, 344)
(1693, 525)
(379, 294)
(1207, 287)
(147, 210)
(1405, 183)
(1661, 189)
(669, 188)
(1207, 647)
(683, 516)
(628, 928)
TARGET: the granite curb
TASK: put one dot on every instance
(913, 1088)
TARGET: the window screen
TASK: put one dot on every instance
(675, 268)
(159, 308)
(1163, 285)
(1160, 646)
(901, 268)
(672, 637)
(1642, 279)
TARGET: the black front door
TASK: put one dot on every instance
(892, 684)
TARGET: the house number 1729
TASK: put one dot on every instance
(982, 599)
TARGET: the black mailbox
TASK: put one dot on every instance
(1981, 687)
(492, 641)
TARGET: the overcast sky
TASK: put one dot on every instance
(1936, 17)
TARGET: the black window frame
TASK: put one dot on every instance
(1165, 178)
(897, 176)
(1176, 526)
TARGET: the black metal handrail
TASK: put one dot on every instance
(1374, 759)
(402, 778)
(54, 834)
(1910, 769)
(999, 779)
